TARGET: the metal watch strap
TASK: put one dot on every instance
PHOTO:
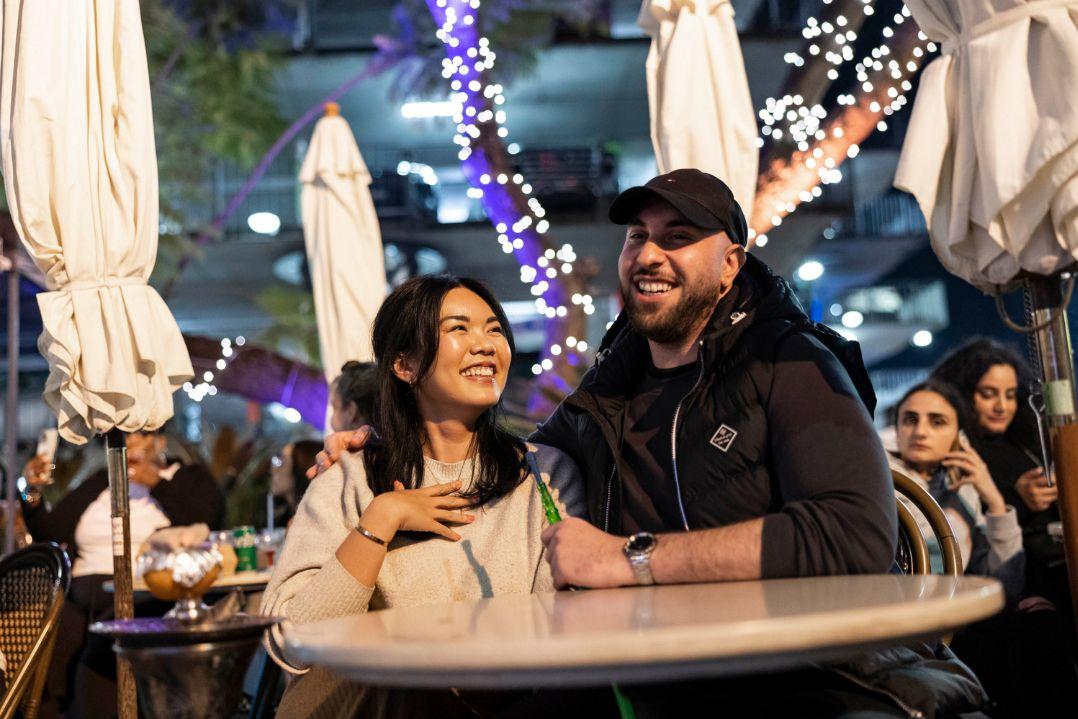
(371, 535)
(641, 564)
(640, 559)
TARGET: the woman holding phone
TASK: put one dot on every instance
(443, 507)
(933, 451)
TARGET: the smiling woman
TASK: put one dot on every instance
(444, 347)
(439, 508)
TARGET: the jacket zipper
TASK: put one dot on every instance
(673, 445)
(609, 495)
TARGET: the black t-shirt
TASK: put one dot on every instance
(650, 499)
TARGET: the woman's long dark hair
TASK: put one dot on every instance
(964, 367)
(407, 325)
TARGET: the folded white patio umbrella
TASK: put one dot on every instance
(80, 171)
(344, 243)
(991, 152)
(698, 93)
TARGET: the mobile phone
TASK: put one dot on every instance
(954, 474)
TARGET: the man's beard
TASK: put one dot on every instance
(675, 324)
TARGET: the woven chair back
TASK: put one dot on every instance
(33, 583)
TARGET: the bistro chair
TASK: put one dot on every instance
(33, 584)
(913, 555)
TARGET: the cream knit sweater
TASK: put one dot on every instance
(499, 553)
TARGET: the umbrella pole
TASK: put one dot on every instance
(123, 595)
(1057, 370)
(11, 407)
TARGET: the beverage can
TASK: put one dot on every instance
(244, 541)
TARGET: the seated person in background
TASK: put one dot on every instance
(934, 452)
(163, 493)
(444, 507)
(993, 381)
(352, 396)
(1022, 655)
(288, 477)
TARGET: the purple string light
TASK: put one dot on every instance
(502, 191)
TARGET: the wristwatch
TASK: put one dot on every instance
(638, 549)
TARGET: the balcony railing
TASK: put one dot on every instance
(574, 179)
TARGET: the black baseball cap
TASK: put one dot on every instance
(704, 199)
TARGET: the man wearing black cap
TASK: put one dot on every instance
(720, 435)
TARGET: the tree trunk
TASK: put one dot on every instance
(789, 176)
(517, 218)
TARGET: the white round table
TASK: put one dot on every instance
(635, 634)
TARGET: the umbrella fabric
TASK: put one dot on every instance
(698, 93)
(80, 171)
(991, 152)
(344, 244)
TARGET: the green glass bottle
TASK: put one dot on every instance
(550, 509)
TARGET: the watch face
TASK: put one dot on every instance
(642, 542)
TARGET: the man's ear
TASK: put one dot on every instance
(732, 263)
(403, 370)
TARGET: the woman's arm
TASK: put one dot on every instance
(428, 509)
(308, 582)
(59, 523)
(190, 497)
(328, 569)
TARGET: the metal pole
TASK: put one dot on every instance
(11, 407)
(1057, 368)
(123, 596)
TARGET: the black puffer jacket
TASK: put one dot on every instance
(777, 426)
(774, 428)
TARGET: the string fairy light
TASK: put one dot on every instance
(824, 142)
(206, 387)
(518, 217)
(788, 116)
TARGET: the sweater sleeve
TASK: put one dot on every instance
(1006, 558)
(308, 582)
(836, 506)
(59, 523)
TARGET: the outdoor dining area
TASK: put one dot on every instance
(668, 473)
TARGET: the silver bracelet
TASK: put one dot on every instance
(370, 535)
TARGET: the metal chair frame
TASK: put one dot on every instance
(910, 531)
(28, 663)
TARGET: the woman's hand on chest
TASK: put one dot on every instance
(427, 509)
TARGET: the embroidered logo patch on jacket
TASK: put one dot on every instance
(724, 436)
